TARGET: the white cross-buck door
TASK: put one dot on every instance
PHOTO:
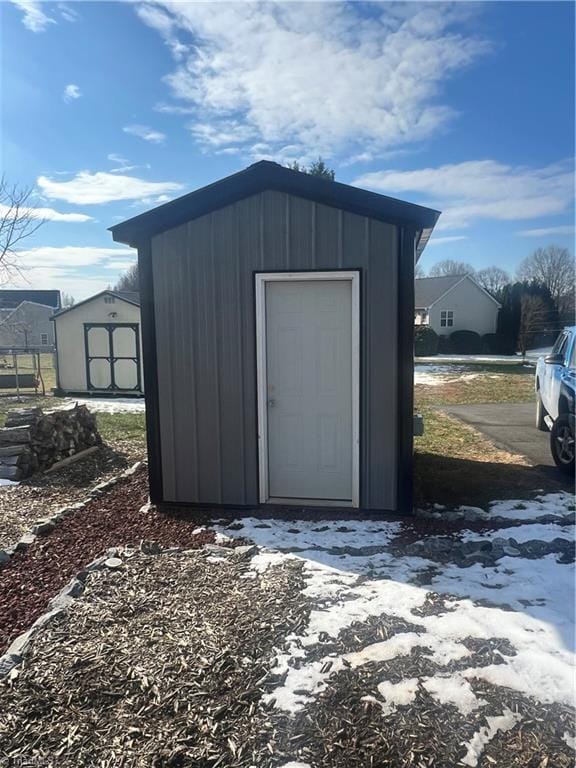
(307, 333)
(112, 356)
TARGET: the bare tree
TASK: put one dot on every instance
(67, 300)
(553, 267)
(129, 280)
(18, 221)
(450, 267)
(533, 319)
(493, 279)
(419, 271)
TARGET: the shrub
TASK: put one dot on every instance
(496, 344)
(443, 346)
(465, 343)
(425, 341)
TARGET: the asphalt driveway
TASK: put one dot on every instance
(510, 425)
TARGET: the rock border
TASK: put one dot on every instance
(112, 559)
(46, 525)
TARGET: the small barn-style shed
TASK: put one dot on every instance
(277, 318)
(98, 346)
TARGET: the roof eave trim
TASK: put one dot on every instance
(270, 176)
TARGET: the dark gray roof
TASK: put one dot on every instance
(10, 299)
(266, 175)
(427, 290)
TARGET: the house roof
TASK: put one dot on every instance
(427, 290)
(10, 299)
(131, 297)
(266, 175)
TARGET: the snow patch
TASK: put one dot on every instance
(397, 694)
(484, 736)
(453, 690)
(108, 404)
(567, 738)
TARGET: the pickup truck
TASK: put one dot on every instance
(555, 398)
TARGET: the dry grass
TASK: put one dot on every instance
(456, 464)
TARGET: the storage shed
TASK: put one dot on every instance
(98, 346)
(277, 317)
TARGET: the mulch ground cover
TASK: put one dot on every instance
(31, 578)
(160, 664)
(43, 494)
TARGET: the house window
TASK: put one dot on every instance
(109, 300)
(44, 339)
(446, 318)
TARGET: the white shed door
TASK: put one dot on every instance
(113, 356)
(309, 389)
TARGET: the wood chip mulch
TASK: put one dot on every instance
(341, 728)
(159, 664)
(31, 578)
(42, 495)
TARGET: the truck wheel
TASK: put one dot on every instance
(562, 443)
(541, 414)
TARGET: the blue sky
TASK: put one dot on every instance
(111, 108)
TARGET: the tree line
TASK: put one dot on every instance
(536, 303)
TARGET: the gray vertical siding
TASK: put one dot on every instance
(205, 329)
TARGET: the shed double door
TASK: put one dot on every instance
(310, 391)
(112, 356)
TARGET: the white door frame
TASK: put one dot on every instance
(267, 277)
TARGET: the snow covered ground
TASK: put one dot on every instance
(355, 571)
(434, 375)
(109, 404)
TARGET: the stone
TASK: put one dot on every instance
(113, 563)
(43, 527)
(4, 556)
(99, 489)
(216, 549)
(150, 547)
(68, 594)
(7, 663)
(26, 541)
(20, 645)
(512, 551)
(245, 552)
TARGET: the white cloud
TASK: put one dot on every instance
(174, 109)
(120, 265)
(324, 76)
(114, 158)
(34, 17)
(68, 13)
(92, 188)
(146, 133)
(482, 189)
(71, 256)
(71, 92)
(567, 229)
(48, 214)
(79, 270)
(443, 240)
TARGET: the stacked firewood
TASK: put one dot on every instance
(33, 441)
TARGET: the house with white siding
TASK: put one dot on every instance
(454, 303)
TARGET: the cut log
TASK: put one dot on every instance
(10, 473)
(15, 435)
(13, 450)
